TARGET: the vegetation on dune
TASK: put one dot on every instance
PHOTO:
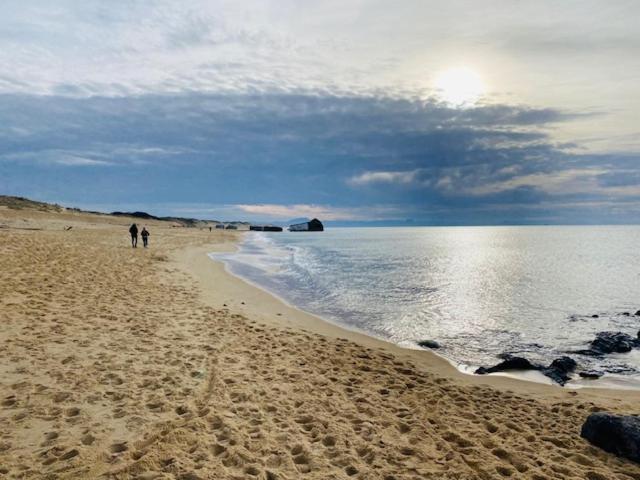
(19, 203)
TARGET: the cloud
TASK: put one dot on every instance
(71, 160)
(55, 157)
(285, 212)
(325, 212)
(156, 46)
(570, 43)
(288, 155)
(255, 47)
(570, 181)
(368, 178)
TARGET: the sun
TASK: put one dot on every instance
(459, 86)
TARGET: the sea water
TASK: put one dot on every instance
(478, 291)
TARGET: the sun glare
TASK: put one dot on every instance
(459, 86)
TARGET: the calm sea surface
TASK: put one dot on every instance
(478, 291)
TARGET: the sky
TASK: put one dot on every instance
(374, 112)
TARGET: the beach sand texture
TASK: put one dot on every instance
(115, 363)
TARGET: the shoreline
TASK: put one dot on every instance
(309, 320)
(274, 311)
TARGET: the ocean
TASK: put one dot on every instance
(478, 291)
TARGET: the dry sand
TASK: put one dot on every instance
(121, 363)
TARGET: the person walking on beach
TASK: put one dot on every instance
(145, 236)
(133, 230)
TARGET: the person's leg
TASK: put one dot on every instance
(132, 239)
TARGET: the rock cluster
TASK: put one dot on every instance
(610, 342)
(558, 370)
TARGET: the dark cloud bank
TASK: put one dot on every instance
(411, 159)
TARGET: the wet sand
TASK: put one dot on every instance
(122, 363)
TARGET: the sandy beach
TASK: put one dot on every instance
(157, 364)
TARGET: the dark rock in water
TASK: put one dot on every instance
(588, 352)
(620, 369)
(564, 364)
(613, 342)
(638, 313)
(429, 344)
(558, 377)
(315, 225)
(511, 363)
(610, 342)
(591, 374)
(560, 369)
(595, 316)
(615, 434)
(625, 314)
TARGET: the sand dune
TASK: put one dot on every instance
(116, 363)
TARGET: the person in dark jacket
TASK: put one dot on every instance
(145, 236)
(133, 230)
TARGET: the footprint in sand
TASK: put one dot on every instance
(182, 410)
(118, 447)
(155, 405)
(61, 396)
(70, 454)
(20, 416)
(351, 470)
(329, 441)
(72, 412)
